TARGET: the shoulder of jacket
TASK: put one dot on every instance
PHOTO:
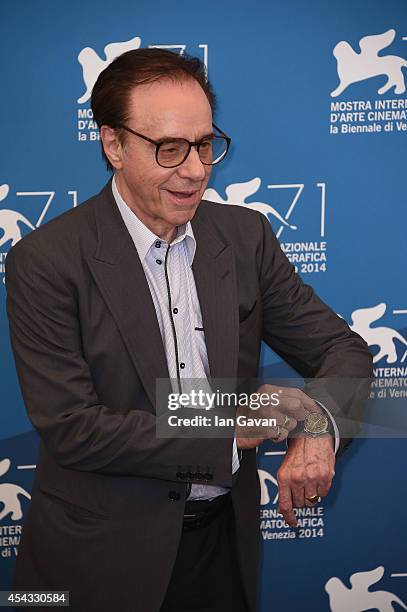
(63, 231)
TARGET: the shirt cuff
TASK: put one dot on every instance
(334, 425)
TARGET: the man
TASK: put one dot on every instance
(146, 281)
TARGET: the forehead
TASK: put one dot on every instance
(170, 108)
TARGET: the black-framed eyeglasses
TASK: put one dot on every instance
(172, 152)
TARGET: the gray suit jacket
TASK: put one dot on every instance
(108, 499)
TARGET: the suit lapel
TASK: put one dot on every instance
(118, 272)
(215, 279)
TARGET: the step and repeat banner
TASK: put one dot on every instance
(313, 95)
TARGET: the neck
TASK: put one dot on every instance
(168, 235)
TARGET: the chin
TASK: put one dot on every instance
(184, 213)
(182, 217)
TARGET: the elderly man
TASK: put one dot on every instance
(146, 281)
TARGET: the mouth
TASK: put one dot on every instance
(183, 197)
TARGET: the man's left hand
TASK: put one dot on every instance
(307, 470)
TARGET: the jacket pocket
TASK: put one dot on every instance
(62, 498)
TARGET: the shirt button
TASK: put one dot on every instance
(175, 310)
(182, 366)
(158, 261)
(158, 244)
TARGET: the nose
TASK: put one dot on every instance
(192, 167)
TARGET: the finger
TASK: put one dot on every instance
(298, 495)
(313, 479)
(312, 499)
(291, 392)
(312, 495)
(246, 443)
(285, 505)
(324, 487)
(278, 434)
(308, 403)
(286, 421)
(322, 481)
(293, 407)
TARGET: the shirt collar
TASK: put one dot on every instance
(143, 237)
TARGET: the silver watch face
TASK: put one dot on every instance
(316, 424)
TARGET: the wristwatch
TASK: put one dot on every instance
(317, 424)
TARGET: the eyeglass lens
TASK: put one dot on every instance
(175, 152)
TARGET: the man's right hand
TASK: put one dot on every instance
(294, 405)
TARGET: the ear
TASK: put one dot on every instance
(111, 146)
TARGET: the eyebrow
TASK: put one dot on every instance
(169, 138)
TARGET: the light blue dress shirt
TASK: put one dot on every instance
(172, 285)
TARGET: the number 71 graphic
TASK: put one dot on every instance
(297, 194)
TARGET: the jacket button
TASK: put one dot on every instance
(174, 495)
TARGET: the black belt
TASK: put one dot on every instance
(201, 513)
